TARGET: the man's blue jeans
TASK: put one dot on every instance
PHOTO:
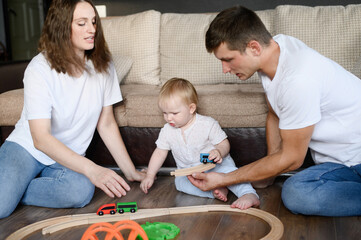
(25, 180)
(327, 189)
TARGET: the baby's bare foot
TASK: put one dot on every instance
(246, 201)
(221, 194)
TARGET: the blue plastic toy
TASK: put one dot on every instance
(204, 158)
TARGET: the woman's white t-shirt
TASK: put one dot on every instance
(310, 89)
(73, 105)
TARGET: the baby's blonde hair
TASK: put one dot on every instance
(178, 87)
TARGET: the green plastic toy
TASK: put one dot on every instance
(160, 230)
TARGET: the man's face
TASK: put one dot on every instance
(243, 65)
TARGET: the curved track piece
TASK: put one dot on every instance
(276, 225)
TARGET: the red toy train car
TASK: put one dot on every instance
(112, 208)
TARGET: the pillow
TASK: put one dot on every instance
(333, 31)
(136, 36)
(356, 70)
(122, 66)
(183, 52)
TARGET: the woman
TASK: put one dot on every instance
(69, 90)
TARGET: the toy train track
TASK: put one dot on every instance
(53, 225)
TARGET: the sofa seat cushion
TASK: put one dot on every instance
(11, 106)
(232, 105)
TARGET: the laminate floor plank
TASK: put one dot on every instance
(212, 225)
(348, 228)
(298, 226)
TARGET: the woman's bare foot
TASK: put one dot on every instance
(246, 201)
(221, 194)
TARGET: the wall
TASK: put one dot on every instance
(124, 7)
(2, 24)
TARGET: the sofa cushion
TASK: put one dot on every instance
(233, 105)
(11, 105)
(12, 102)
(334, 31)
(136, 36)
(183, 53)
(122, 66)
(356, 69)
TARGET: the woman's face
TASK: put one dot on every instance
(83, 28)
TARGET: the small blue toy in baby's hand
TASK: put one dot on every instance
(204, 158)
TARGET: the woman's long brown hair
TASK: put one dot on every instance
(55, 40)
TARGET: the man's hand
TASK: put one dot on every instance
(206, 181)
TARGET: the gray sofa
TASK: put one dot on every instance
(150, 47)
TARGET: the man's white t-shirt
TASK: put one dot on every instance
(310, 89)
(73, 105)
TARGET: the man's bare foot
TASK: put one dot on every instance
(263, 183)
(246, 201)
(221, 194)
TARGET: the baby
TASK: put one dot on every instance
(187, 134)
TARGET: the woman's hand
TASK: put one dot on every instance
(135, 175)
(108, 181)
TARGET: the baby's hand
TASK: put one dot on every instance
(146, 183)
(215, 155)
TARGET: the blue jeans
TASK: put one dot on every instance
(327, 189)
(25, 180)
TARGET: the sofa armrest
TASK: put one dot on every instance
(12, 74)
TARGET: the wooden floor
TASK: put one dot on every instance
(197, 226)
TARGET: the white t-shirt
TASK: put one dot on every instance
(73, 105)
(308, 89)
(200, 137)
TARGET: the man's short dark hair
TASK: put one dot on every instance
(236, 27)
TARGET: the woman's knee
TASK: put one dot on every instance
(5, 212)
(72, 189)
(80, 193)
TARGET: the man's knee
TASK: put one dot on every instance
(300, 199)
(291, 196)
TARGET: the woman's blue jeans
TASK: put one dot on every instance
(25, 180)
(327, 189)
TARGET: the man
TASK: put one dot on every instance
(313, 102)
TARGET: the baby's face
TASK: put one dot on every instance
(176, 112)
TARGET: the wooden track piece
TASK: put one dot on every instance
(27, 230)
(189, 171)
(56, 224)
